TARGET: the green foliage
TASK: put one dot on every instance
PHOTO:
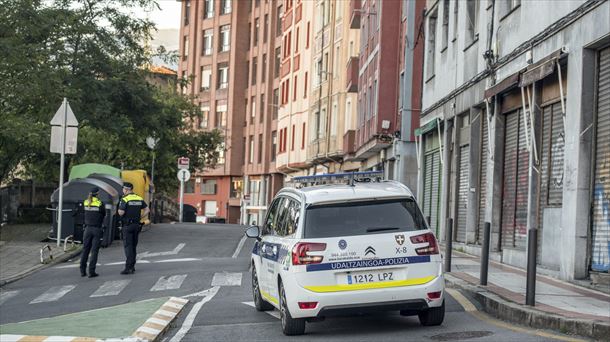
(92, 53)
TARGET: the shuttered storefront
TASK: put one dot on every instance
(432, 180)
(600, 244)
(483, 178)
(515, 189)
(462, 201)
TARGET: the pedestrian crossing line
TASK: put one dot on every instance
(169, 283)
(111, 288)
(154, 326)
(6, 295)
(226, 279)
(53, 294)
(272, 313)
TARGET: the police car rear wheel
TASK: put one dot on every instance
(432, 316)
(259, 302)
(290, 326)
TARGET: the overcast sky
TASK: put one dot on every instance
(167, 17)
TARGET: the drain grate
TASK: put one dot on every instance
(460, 335)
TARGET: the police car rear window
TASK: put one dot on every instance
(361, 218)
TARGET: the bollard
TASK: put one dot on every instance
(448, 244)
(530, 288)
(485, 254)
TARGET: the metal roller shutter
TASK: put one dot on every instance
(509, 192)
(427, 195)
(483, 178)
(463, 193)
(600, 244)
(522, 189)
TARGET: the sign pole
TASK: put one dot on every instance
(181, 196)
(60, 207)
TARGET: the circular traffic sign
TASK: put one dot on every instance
(184, 175)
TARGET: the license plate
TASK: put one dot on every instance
(370, 277)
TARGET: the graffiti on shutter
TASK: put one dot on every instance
(462, 202)
(483, 179)
(555, 196)
(509, 192)
(600, 251)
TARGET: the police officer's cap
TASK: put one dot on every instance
(128, 186)
(95, 190)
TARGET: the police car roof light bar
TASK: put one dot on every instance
(333, 178)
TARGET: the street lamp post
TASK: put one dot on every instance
(151, 142)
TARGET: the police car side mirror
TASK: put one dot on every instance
(253, 232)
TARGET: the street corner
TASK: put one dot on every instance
(139, 321)
(157, 324)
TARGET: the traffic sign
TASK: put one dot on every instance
(184, 175)
(183, 163)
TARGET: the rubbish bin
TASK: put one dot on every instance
(190, 213)
(75, 192)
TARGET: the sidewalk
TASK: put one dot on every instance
(20, 251)
(559, 305)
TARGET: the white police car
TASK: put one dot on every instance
(342, 249)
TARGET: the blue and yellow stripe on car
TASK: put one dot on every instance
(369, 286)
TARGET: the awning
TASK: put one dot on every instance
(502, 86)
(540, 70)
(426, 128)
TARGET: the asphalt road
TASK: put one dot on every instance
(181, 260)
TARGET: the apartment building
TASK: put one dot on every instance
(295, 82)
(212, 57)
(515, 130)
(333, 94)
(260, 138)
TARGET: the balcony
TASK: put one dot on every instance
(351, 82)
(354, 22)
(349, 140)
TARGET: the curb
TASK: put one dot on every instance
(158, 323)
(516, 313)
(26, 338)
(38, 267)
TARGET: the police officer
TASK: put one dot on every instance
(94, 217)
(130, 210)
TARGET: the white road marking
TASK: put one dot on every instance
(190, 318)
(53, 294)
(176, 260)
(6, 295)
(172, 252)
(240, 245)
(111, 288)
(169, 283)
(273, 313)
(11, 338)
(123, 263)
(226, 279)
(199, 294)
(59, 339)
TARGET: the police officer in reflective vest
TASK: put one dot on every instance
(94, 218)
(131, 209)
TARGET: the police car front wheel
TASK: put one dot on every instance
(259, 302)
(290, 326)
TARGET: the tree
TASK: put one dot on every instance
(91, 52)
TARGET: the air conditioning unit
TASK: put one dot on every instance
(385, 124)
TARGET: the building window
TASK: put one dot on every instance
(430, 60)
(221, 114)
(225, 38)
(507, 6)
(296, 41)
(183, 82)
(256, 30)
(205, 115)
(237, 185)
(187, 12)
(252, 109)
(294, 90)
(305, 85)
(226, 6)
(251, 152)
(472, 20)
(223, 75)
(260, 149)
(208, 37)
(445, 37)
(278, 22)
(206, 77)
(254, 71)
(276, 66)
(189, 187)
(303, 137)
(273, 145)
(208, 187)
(276, 102)
(210, 208)
(221, 153)
(208, 9)
(308, 37)
(292, 138)
(185, 43)
(266, 28)
(262, 108)
(264, 71)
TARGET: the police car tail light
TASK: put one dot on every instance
(308, 305)
(301, 256)
(429, 238)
